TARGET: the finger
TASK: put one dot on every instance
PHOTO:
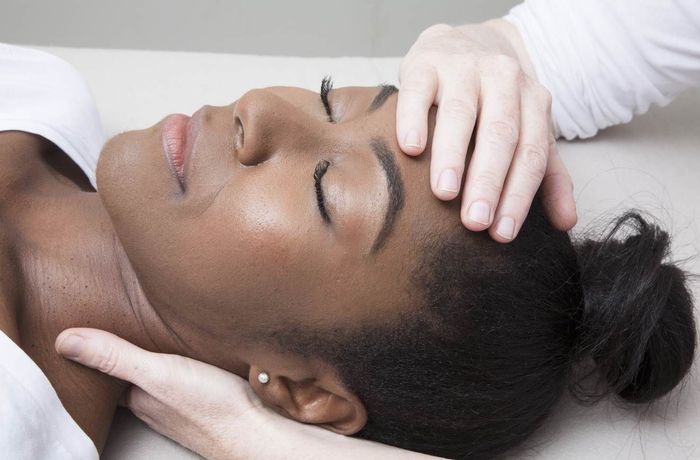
(528, 167)
(418, 88)
(182, 425)
(496, 139)
(454, 123)
(109, 354)
(142, 404)
(558, 192)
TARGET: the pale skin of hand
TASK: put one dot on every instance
(483, 83)
(208, 410)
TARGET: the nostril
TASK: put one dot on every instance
(238, 133)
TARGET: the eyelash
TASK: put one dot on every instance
(322, 166)
(320, 170)
(326, 87)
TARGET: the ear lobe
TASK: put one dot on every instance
(317, 405)
(310, 401)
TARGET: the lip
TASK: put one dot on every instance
(179, 133)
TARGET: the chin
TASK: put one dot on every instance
(132, 172)
(128, 187)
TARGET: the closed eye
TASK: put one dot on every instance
(326, 87)
(321, 168)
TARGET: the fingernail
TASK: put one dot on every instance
(412, 139)
(480, 212)
(506, 227)
(71, 346)
(448, 181)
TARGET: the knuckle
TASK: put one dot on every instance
(559, 177)
(503, 64)
(460, 109)
(417, 87)
(418, 79)
(161, 384)
(464, 67)
(488, 183)
(503, 132)
(107, 362)
(178, 364)
(534, 159)
(436, 29)
(542, 96)
(518, 198)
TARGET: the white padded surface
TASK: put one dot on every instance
(652, 163)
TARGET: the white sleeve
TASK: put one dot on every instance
(44, 95)
(605, 61)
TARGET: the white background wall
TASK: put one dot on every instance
(273, 27)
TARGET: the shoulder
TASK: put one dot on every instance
(20, 153)
(43, 94)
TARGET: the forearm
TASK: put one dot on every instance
(605, 61)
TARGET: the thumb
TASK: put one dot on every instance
(108, 353)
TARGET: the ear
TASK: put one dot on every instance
(314, 399)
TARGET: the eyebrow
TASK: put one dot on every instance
(395, 187)
(384, 92)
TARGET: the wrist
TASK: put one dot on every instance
(266, 434)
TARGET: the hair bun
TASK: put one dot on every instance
(636, 320)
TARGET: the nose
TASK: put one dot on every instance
(267, 125)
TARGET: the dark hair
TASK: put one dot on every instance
(477, 369)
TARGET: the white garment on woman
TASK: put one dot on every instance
(44, 95)
(605, 61)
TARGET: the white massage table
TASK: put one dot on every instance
(652, 163)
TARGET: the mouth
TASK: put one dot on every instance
(179, 133)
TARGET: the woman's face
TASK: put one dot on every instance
(282, 216)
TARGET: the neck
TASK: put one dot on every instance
(79, 276)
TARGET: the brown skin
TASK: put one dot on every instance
(209, 272)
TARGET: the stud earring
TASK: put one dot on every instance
(263, 377)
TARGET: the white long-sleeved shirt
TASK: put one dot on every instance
(605, 61)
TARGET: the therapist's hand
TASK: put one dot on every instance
(208, 410)
(482, 82)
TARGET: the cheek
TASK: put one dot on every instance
(264, 231)
(250, 247)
